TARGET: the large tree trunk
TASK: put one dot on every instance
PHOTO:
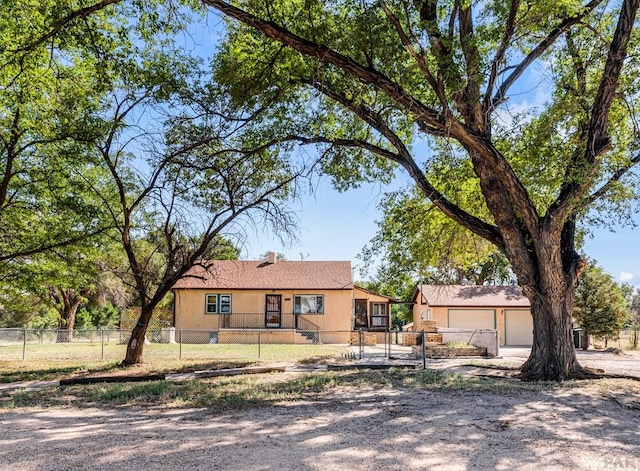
(553, 355)
(548, 268)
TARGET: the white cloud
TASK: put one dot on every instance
(626, 276)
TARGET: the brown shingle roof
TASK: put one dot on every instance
(237, 274)
(472, 295)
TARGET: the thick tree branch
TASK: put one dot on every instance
(597, 142)
(469, 102)
(495, 166)
(405, 159)
(540, 49)
(330, 56)
(499, 56)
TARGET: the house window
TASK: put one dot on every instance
(211, 303)
(308, 304)
(379, 315)
(225, 303)
(218, 304)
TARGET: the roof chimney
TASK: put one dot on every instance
(271, 257)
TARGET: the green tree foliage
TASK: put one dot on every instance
(417, 240)
(48, 93)
(92, 316)
(43, 317)
(375, 83)
(372, 84)
(600, 308)
(51, 220)
(61, 280)
(17, 307)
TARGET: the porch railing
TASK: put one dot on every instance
(308, 329)
(261, 321)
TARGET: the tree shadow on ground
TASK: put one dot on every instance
(471, 425)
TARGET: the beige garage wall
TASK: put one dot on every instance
(471, 318)
(518, 327)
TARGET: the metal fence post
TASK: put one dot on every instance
(361, 344)
(102, 341)
(387, 343)
(259, 339)
(424, 351)
(180, 343)
(24, 344)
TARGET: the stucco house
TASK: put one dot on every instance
(281, 296)
(504, 308)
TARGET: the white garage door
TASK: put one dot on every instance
(472, 318)
(518, 327)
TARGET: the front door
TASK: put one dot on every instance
(273, 311)
(360, 314)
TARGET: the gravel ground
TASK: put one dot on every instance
(627, 363)
(593, 427)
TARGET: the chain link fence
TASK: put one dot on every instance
(171, 343)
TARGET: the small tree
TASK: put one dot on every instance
(600, 307)
(183, 191)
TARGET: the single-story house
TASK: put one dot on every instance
(277, 295)
(503, 308)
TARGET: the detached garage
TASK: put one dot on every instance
(501, 308)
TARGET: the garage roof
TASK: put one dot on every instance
(471, 296)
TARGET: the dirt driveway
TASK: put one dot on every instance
(595, 427)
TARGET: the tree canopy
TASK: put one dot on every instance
(177, 173)
(372, 84)
(415, 239)
(376, 82)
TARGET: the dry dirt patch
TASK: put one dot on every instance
(587, 428)
(593, 426)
